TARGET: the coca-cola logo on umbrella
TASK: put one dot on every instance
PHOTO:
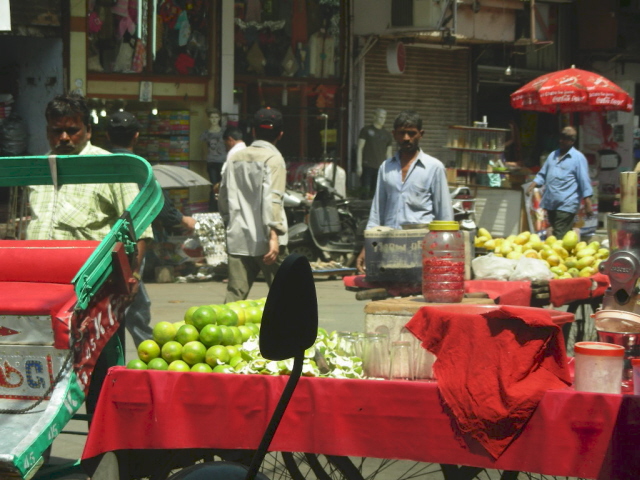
(571, 90)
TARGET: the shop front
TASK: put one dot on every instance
(436, 82)
(291, 56)
(157, 60)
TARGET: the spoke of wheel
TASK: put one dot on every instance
(318, 468)
(276, 467)
(371, 467)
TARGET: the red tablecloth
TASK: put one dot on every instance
(569, 434)
(504, 293)
(562, 291)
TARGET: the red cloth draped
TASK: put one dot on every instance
(493, 368)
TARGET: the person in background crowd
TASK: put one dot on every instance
(232, 137)
(411, 186)
(123, 130)
(251, 205)
(233, 141)
(565, 176)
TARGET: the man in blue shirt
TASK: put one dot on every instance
(565, 176)
(412, 186)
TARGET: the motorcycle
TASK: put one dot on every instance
(329, 231)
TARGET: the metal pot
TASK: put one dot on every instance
(620, 328)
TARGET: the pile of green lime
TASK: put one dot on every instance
(225, 339)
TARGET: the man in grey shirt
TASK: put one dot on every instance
(250, 202)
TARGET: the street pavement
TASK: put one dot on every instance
(337, 310)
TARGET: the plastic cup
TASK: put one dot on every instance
(598, 367)
(401, 367)
(375, 360)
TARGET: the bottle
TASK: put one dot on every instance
(443, 263)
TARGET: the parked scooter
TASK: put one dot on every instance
(330, 230)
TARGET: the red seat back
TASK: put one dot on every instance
(43, 261)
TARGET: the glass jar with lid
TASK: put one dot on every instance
(443, 263)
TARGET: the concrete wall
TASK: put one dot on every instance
(493, 22)
(40, 78)
(371, 16)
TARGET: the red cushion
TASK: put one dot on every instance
(43, 261)
(19, 298)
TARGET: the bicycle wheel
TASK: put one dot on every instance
(365, 468)
(308, 466)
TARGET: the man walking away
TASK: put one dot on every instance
(250, 202)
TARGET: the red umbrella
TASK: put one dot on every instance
(571, 90)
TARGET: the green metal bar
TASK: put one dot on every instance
(77, 169)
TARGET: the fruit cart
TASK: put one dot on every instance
(154, 417)
(349, 428)
(61, 303)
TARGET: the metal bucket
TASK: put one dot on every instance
(620, 328)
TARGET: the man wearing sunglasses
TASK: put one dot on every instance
(412, 186)
(565, 176)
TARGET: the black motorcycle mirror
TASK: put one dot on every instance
(289, 326)
(323, 183)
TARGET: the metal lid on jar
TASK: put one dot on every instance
(443, 225)
(599, 349)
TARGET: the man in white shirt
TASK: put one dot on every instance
(250, 202)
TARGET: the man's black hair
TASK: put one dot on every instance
(69, 105)
(268, 135)
(408, 118)
(232, 132)
(121, 137)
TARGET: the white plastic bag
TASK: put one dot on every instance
(490, 267)
(531, 269)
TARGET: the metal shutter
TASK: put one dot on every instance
(436, 83)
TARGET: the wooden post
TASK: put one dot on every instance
(628, 192)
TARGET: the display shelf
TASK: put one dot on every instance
(476, 139)
(164, 137)
(473, 150)
(476, 149)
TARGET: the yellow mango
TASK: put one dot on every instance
(586, 272)
(574, 272)
(553, 260)
(520, 239)
(562, 253)
(570, 240)
(483, 232)
(580, 246)
(585, 262)
(505, 248)
(586, 252)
